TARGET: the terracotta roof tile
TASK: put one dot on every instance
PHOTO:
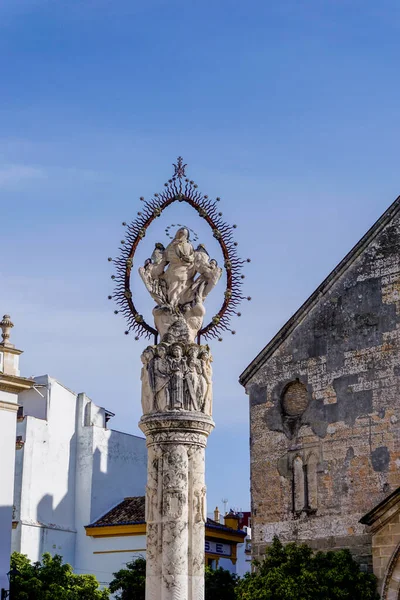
(128, 512)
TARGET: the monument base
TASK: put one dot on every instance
(175, 503)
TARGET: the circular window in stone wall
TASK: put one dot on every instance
(295, 399)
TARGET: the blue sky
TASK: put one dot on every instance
(288, 110)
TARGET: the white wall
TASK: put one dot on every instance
(243, 564)
(34, 401)
(36, 540)
(7, 455)
(110, 467)
(119, 469)
(70, 471)
(45, 481)
(106, 556)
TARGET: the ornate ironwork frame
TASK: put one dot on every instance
(179, 189)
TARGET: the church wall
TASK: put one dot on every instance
(325, 405)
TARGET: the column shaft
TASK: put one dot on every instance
(175, 505)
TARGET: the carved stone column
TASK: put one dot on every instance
(176, 376)
(175, 504)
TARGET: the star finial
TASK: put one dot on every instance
(179, 168)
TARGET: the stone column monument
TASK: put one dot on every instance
(176, 380)
(177, 403)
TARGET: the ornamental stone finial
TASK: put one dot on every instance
(6, 326)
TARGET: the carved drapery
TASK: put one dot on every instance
(176, 377)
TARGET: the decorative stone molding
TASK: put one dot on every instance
(15, 384)
(4, 405)
(391, 584)
(182, 428)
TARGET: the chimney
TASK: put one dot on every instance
(217, 515)
(232, 520)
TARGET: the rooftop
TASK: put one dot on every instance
(131, 511)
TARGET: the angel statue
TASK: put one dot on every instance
(209, 271)
(150, 273)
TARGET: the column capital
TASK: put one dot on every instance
(183, 427)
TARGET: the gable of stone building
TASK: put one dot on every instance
(343, 351)
(376, 254)
(324, 399)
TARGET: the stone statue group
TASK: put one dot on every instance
(177, 373)
(178, 279)
(176, 377)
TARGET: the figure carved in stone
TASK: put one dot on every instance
(177, 366)
(151, 503)
(161, 379)
(192, 379)
(176, 376)
(146, 378)
(178, 279)
(199, 505)
(193, 313)
(206, 371)
(150, 273)
(179, 256)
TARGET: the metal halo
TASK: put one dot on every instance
(179, 189)
(194, 235)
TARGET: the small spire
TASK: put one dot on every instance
(179, 168)
(6, 326)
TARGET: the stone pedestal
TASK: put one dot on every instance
(175, 503)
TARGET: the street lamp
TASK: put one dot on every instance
(7, 593)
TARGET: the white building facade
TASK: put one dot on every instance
(69, 470)
(10, 385)
(243, 565)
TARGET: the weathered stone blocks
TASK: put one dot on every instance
(324, 404)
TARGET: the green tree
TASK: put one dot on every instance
(220, 584)
(131, 581)
(294, 572)
(50, 579)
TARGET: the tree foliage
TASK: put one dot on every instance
(131, 581)
(294, 572)
(50, 579)
(219, 584)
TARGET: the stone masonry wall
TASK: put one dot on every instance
(324, 410)
(386, 548)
